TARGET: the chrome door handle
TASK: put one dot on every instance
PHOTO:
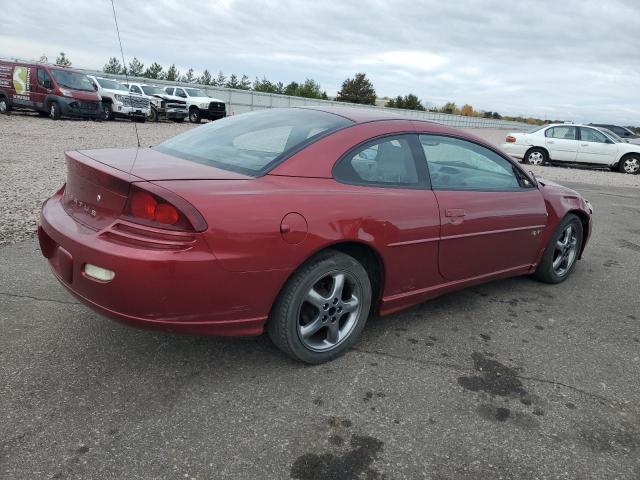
(584, 144)
(549, 141)
(454, 212)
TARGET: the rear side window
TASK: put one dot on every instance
(456, 164)
(384, 162)
(252, 143)
(562, 133)
(591, 135)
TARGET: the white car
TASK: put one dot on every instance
(163, 105)
(575, 144)
(117, 102)
(200, 104)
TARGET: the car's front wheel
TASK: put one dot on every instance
(630, 164)
(322, 309)
(536, 156)
(560, 256)
(194, 115)
(54, 111)
(4, 105)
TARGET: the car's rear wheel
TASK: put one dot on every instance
(560, 256)
(536, 156)
(322, 309)
(153, 115)
(54, 111)
(630, 164)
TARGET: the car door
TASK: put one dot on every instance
(491, 213)
(43, 88)
(562, 143)
(596, 147)
(398, 208)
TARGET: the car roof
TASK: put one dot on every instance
(360, 114)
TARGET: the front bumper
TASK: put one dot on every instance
(126, 111)
(212, 114)
(70, 107)
(173, 113)
(181, 291)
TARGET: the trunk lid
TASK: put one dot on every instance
(98, 181)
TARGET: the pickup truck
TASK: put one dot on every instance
(199, 104)
(117, 102)
(163, 105)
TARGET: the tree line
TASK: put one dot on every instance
(358, 89)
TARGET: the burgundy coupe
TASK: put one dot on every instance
(303, 222)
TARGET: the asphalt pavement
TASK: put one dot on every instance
(511, 379)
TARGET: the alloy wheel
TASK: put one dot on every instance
(566, 251)
(3, 106)
(536, 158)
(631, 165)
(330, 311)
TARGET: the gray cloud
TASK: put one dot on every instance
(576, 59)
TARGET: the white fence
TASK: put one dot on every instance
(241, 101)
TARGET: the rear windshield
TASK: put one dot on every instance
(252, 143)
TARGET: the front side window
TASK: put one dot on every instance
(180, 93)
(169, 90)
(456, 164)
(252, 143)
(561, 133)
(387, 161)
(135, 89)
(591, 135)
(44, 80)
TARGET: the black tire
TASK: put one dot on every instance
(630, 164)
(546, 271)
(535, 156)
(54, 111)
(153, 115)
(107, 112)
(43, 114)
(287, 318)
(194, 115)
(5, 107)
(178, 120)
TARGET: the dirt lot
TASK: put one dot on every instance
(509, 380)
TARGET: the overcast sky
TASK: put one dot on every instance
(562, 59)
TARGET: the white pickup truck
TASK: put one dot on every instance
(163, 105)
(117, 102)
(199, 104)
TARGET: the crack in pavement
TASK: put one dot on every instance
(451, 366)
(39, 299)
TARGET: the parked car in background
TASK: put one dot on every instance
(199, 104)
(303, 222)
(163, 105)
(117, 102)
(574, 144)
(622, 132)
(47, 89)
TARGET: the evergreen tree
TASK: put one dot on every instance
(154, 71)
(112, 66)
(173, 74)
(205, 78)
(135, 67)
(408, 102)
(189, 77)
(357, 90)
(221, 80)
(233, 82)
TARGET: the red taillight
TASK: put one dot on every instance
(511, 139)
(160, 208)
(143, 205)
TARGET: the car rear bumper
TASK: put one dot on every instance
(515, 149)
(180, 291)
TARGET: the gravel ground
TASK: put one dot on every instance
(32, 161)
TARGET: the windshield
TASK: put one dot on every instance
(72, 80)
(149, 90)
(195, 92)
(252, 143)
(111, 84)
